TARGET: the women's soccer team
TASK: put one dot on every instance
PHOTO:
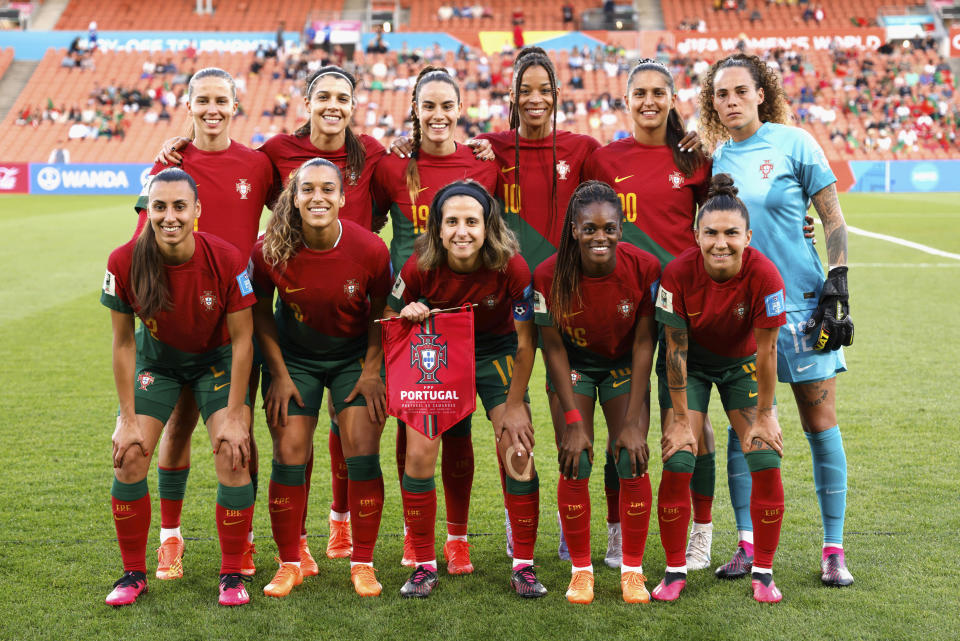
(603, 256)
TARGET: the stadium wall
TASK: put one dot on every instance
(895, 176)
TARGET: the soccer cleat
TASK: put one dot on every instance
(232, 590)
(340, 543)
(580, 589)
(286, 578)
(420, 584)
(740, 565)
(409, 559)
(170, 559)
(308, 567)
(764, 589)
(670, 588)
(632, 584)
(524, 582)
(834, 571)
(127, 588)
(698, 547)
(509, 530)
(247, 566)
(614, 556)
(364, 580)
(563, 552)
(457, 554)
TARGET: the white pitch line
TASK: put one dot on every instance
(900, 241)
(904, 265)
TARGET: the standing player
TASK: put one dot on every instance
(332, 279)
(468, 256)
(594, 303)
(722, 307)
(234, 184)
(193, 295)
(408, 186)
(782, 170)
(660, 186)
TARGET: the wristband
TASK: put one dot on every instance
(572, 416)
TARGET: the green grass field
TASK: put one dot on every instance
(58, 556)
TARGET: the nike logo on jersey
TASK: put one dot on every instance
(620, 179)
(291, 290)
(694, 313)
(751, 394)
(422, 189)
(507, 170)
(803, 368)
(617, 384)
(217, 388)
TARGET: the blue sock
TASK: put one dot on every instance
(830, 480)
(739, 481)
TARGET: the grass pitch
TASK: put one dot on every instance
(897, 407)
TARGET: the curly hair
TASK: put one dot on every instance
(283, 237)
(774, 107)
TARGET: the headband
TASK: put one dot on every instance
(329, 73)
(463, 188)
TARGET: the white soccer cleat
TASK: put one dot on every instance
(698, 547)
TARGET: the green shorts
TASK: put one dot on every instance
(737, 386)
(312, 376)
(158, 388)
(493, 380)
(596, 382)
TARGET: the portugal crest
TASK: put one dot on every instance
(740, 310)
(765, 168)
(145, 379)
(574, 376)
(676, 179)
(490, 301)
(428, 356)
(208, 300)
(351, 288)
(625, 307)
(563, 170)
(244, 188)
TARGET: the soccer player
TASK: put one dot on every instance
(660, 186)
(722, 306)
(234, 184)
(408, 186)
(332, 279)
(468, 256)
(594, 306)
(781, 169)
(192, 293)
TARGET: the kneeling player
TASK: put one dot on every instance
(594, 301)
(722, 308)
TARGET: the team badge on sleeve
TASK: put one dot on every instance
(665, 300)
(398, 287)
(109, 284)
(539, 303)
(775, 303)
(243, 281)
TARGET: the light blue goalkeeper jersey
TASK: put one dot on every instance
(777, 170)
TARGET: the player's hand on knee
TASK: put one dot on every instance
(277, 400)
(677, 436)
(636, 448)
(572, 444)
(831, 326)
(127, 434)
(764, 433)
(233, 434)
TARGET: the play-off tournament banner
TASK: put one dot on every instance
(431, 371)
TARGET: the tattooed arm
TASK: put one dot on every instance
(764, 429)
(827, 205)
(677, 435)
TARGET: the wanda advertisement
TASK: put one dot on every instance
(14, 178)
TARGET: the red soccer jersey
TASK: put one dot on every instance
(203, 290)
(527, 208)
(410, 218)
(601, 330)
(234, 184)
(500, 296)
(659, 202)
(324, 295)
(721, 317)
(287, 152)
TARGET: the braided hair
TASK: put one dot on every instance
(356, 153)
(526, 58)
(565, 289)
(426, 75)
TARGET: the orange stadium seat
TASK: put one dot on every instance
(780, 16)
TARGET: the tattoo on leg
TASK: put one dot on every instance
(749, 414)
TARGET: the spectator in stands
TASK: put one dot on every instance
(377, 45)
(755, 17)
(568, 17)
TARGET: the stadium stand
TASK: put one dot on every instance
(444, 15)
(6, 57)
(727, 15)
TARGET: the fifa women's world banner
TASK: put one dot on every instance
(431, 371)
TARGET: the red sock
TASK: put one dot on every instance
(132, 520)
(401, 449)
(573, 501)
(286, 508)
(338, 474)
(366, 507)
(673, 514)
(308, 472)
(766, 511)
(524, 512)
(636, 497)
(613, 503)
(232, 528)
(420, 515)
(702, 507)
(456, 470)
